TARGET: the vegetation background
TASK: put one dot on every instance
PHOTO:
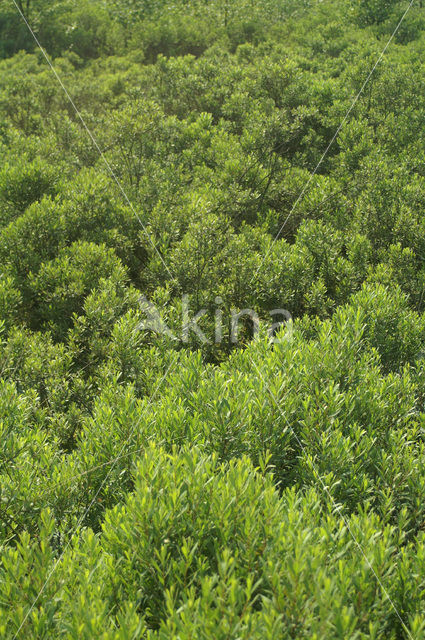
(213, 491)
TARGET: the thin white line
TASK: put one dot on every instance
(325, 153)
(82, 474)
(73, 530)
(335, 504)
(93, 139)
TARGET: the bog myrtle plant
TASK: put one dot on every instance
(162, 473)
(278, 325)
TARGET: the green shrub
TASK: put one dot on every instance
(154, 488)
(61, 285)
(206, 548)
(25, 183)
(10, 301)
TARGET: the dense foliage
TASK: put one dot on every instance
(156, 489)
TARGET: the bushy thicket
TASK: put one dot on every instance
(156, 489)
